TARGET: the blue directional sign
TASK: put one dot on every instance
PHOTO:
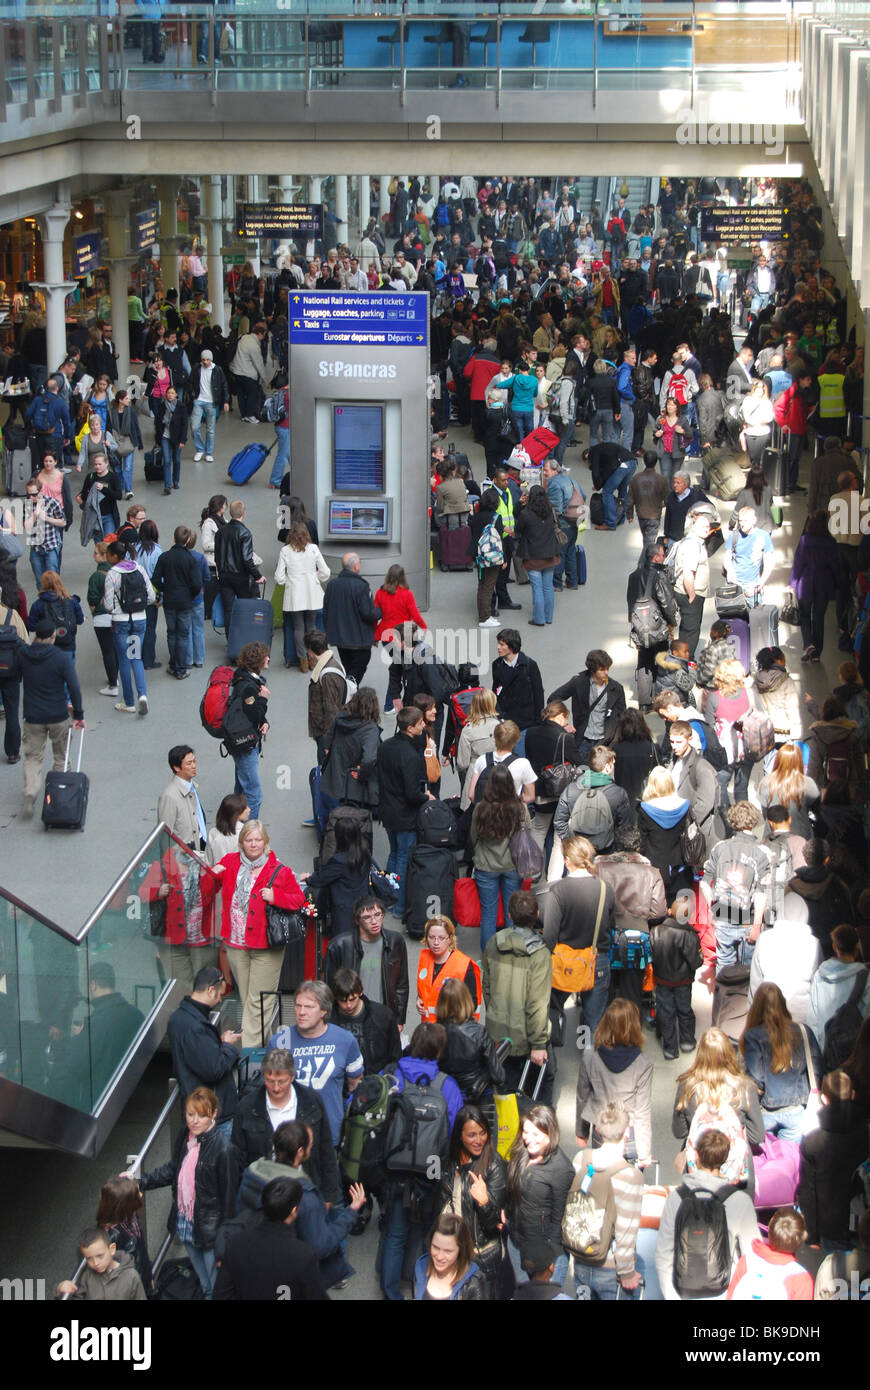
(86, 253)
(337, 318)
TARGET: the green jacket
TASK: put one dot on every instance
(517, 978)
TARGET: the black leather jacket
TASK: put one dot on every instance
(483, 1222)
(217, 1182)
(234, 550)
(470, 1058)
(345, 952)
(252, 1136)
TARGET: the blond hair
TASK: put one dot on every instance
(729, 678)
(659, 783)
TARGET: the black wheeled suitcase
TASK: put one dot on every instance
(66, 794)
(455, 550)
(153, 466)
(775, 468)
(763, 628)
(430, 876)
(251, 621)
(438, 826)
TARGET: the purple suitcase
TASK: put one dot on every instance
(455, 548)
(739, 639)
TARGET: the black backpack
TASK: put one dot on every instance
(843, 1027)
(438, 826)
(9, 645)
(483, 778)
(702, 1250)
(61, 612)
(239, 734)
(419, 1129)
(133, 593)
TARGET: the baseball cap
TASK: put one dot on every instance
(537, 1255)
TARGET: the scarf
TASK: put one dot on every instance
(187, 1174)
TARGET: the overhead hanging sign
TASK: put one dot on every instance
(86, 253)
(279, 219)
(145, 228)
(741, 226)
(333, 317)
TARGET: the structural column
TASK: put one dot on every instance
(167, 191)
(315, 189)
(385, 202)
(55, 287)
(212, 221)
(119, 262)
(435, 185)
(341, 207)
(365, 202)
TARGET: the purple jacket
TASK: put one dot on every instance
(815, 569)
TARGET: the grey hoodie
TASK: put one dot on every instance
(832, 984)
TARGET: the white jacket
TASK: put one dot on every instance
(832, 984)
(788, 955)
(299, 571)
(248, 360)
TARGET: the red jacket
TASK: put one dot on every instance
(400, 607)
(287, 894)
(767, 1275)
(790, 409)
(480, 372)
(165, 870)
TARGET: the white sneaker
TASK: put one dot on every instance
(143, 704)
(209, 458)
(109, 690)
(250, 419)
(490, 622)
(197, 456)
(126, 709)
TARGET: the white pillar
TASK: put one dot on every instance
(384, 210)
(435, 185)
(167, 189)
(315, 189)
(365, 202)
(118, 209)
(341, 207)
(55, 287)
(212, 221)
(288, 187)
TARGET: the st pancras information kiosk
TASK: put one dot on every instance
(359, 427)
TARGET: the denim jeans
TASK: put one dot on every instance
(281, 461)
(127, 471)
(108, 524)
(602, 1284)
(732, 947)
(398, 1230)
(248, 779)
(758, 302)
(171, 462)
(566, 434)
(195, 655)
(543, 597)
(602, 428)
(524, 421)
(786, 1123)
(204, 1266)
(616, 486)
(401, 844)
(203, 411)
(626, 424)
(488, 886)
(177, 637)
(40, 562)
(566, 571)
(129, 639)
(594, 1000)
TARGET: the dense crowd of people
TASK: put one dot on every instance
(602, 863)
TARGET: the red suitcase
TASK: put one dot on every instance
(455, 548)
(540, 443)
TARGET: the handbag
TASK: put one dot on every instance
(814, 1100)
(285, 926)
(777, 1171)
(693, 846)
(730, 601)
(125, 444)
(526, 853)
(11, 545)
(788, 613)
(555, 777)
(574, 970)
(466, 904)
(385, 887)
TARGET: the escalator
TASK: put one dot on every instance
(83, 1012)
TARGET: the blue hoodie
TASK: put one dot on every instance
(411, 1069)
(420, 1278)
(666, 817)
(623, 382)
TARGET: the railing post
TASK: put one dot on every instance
(307, 33)
(56, 103)
(81, 33)
(29, 67)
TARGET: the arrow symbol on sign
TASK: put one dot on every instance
(295, 299)
(419, 337)
(297, 323)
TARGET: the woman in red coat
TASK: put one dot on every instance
(186, 923)
(252, 878)
(398, 606)
(791, 409)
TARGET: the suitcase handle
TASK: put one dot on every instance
(81, 746)
(538, 1083)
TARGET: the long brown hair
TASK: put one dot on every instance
(770, 1012)
(714, 1078)
(395, 579)
(299, 536)
(54, 583)
(786, 780)
(544, 1119)
(500, 812)
(620, 1026)
(449, 1224)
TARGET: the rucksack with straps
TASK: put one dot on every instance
(702, 1250)
(647, 625)
(483, 775)
(222, 713)
(42, 418)
(837, 762)
(362, 1146)
(576, 508)
(591, 816)
(419, 1129)
(133, 591)
(490, 551)
(590, 1214)
(273, 407)
(843, 1027)
(61, 612)
(735, 1169)
(678, 389)
(9, 645)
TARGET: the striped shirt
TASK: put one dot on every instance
(627, 1185)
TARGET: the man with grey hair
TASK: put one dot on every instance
(279, 1098)
(691, 573)
(210, 396)
(750, 557)
(325, 1056)
(682, 497)
(349, 617)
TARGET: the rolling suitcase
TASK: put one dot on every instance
(775, 467)
(17, 463)
(454, 546)
(66, 794)
(581, 564)
(438, 826)
(153, 466)
(247, 462)
(739, 639)
(763, 628)
(430, 876)
(251, 621)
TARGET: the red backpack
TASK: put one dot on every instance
(678, 389)
(213, 705)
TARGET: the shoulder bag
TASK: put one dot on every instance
(284, 926)
(555, 777)
(573, 969)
